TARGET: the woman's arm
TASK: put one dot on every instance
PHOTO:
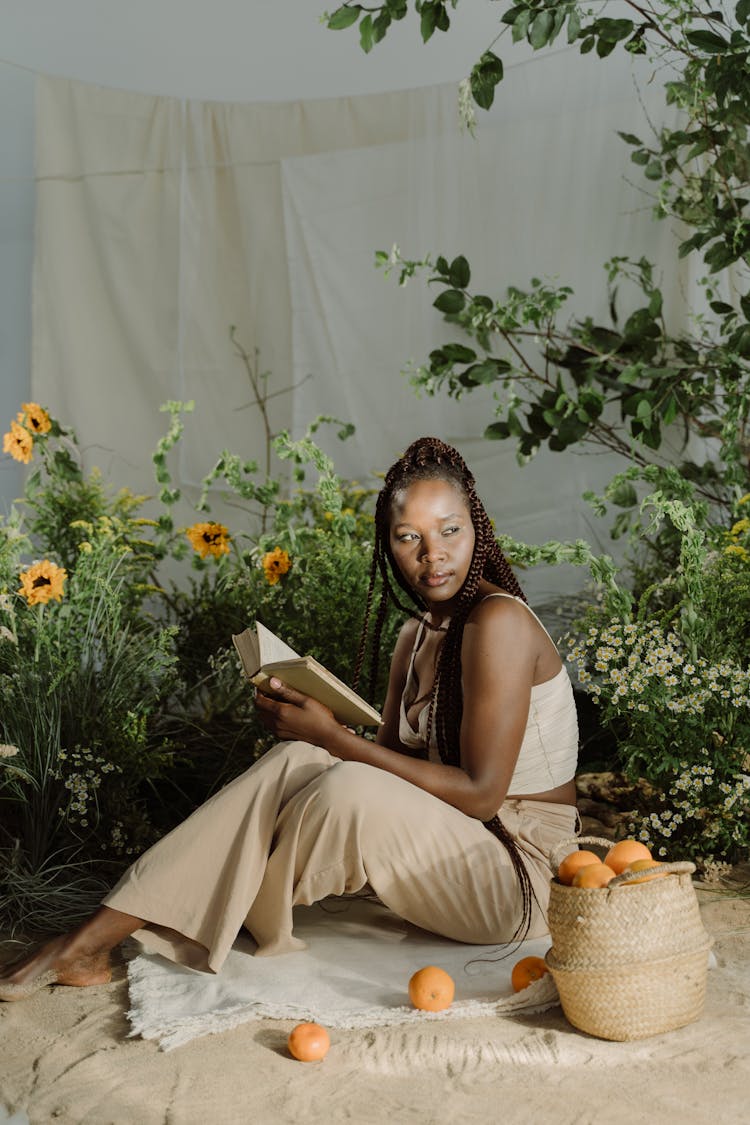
(499, 655)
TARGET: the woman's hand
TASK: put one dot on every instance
(290, 715)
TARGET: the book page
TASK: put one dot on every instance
(271, 647)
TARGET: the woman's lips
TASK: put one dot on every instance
(433, 580)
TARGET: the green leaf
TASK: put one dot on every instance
(450, 301)
(742, 11)
(693, 243)
(574, 25)
(719, 256)
(521, 25)
(65, 465)
(515, 426)
(631, 375)
(655, 304)
(670, 410)
(428, 21)
(380, 25)
(497, 431)
(707, 41)
(485, 76)
(343, 17)
(651, 436)
(397, 8)
(512, 13)
(640, 157)
(489, 371)
(459, 353)
(605, 47)
(613, 30)
(366, 39)
(624, 495)
(460, 272)
(640, 324)
(630, 138)
(541, 29)
(653, 171)
(569, 432)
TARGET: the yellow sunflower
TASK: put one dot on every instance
(42, 582)
(19, 443)
(35, 418)
(209, 539)
(275, 563)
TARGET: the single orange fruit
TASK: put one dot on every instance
(625, 852)
(308, 1042)
(526, 970)
(431, 989)
(593, 875)
(572, 862)
(643, 865)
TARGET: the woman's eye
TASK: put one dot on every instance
(451, 530)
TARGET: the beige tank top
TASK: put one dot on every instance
(549, 751)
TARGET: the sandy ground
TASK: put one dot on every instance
(65, 1057)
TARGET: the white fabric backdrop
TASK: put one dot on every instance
(162, 222)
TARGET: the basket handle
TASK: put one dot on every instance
(679, 867)
(565, 847)
(558, 853)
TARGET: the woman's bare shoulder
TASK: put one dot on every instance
(503, 610)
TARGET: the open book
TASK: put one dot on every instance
(263, 655)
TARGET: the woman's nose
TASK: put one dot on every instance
(432, 549)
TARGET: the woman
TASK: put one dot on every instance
(449, 816)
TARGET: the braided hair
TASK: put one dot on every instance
(430, 458)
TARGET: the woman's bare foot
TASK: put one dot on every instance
(80, 958)
(53, 963)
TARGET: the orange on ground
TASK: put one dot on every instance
(572, 862)
(625, 852)
(643, 865)
(593, 875)
(526, 970)
(308, 1042)
(431, 989)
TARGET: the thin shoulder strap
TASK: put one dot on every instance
(502, 594)
(417, 641)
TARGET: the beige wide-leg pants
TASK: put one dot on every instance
(300, 825)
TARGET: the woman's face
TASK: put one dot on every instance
(432, 540)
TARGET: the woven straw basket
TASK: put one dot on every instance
(628, 961)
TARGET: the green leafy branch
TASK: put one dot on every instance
(584, 371)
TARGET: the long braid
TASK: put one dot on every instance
(432, 459)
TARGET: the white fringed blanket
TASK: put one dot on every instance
(354, 973)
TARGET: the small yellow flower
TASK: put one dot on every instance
(19, 443)
(36, 418)
(42, 582)
(741, 526)
(743, 499)
(209, 539)
(736, 549)
(275, 563)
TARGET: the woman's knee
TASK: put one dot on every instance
(345, 783)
